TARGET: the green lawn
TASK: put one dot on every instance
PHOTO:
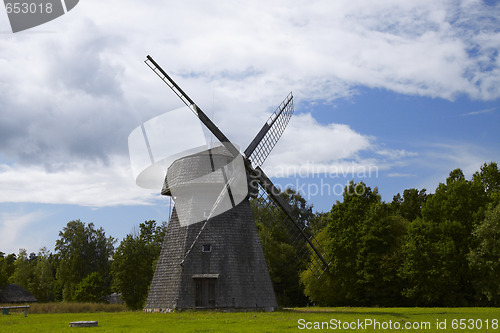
(280, 321)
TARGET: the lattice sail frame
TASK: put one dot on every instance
(308, 256)
(261, 146)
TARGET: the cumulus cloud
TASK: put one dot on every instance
(315, 148)
(72, 90)
(309, 148)
(89, 184)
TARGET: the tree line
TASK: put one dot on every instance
(440, 249)
(86, 267)
(421, 249)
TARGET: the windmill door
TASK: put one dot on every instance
(205, 292)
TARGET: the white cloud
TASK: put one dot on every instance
(478, 112)
(90, 184)
(74, 88)
(400, 175)
(395, 154)
(308, 147)
(14, 230)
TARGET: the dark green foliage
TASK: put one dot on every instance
(134, 262)
(3, 275)
(9, 266)
(344, 235)
(458, 200)
(410, 204)
(281, 253)
(318, 222)
(363, 242)
(489, 177)
(35, 273)
(379, 256)
(484, 259)
(44, 272)
(426, 267)
(93, 288)
(82, 250)
(425, 250)
(320, 291)
(23, 272)
(438, 245)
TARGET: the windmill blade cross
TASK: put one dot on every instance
(258, 149)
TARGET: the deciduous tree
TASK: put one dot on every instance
(410, 204)
(44, 282)
(23, 272)
(134, 262)
(82, 250)
(93, 289)
(484, 259)
(437, 245)
(3, 273)
(281, 253)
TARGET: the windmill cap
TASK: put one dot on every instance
(211, 166)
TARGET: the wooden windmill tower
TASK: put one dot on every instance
(212, 256)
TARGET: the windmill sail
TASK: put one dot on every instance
(270, 133)
(192, 105)
(309, 250)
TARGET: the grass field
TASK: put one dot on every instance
(288, 320)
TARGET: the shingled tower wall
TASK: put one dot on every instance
(226, 268)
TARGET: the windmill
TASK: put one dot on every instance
(212, 256)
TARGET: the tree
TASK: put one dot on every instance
(44, 281)
(484, 259)
(318, 222)
(427, 266)
(437, 245)
(363, 241)
(489, 177)
(3, 274)
(9, 265)
(153, 235)
(410, 204)
(93, 288)
(134, 262)
(282, 255)
(344, 233)
(379, 257)
(320, 290)
(82, 250)
(458, 200)
(23, 272)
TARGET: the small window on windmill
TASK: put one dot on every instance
(206, 248)
(206, 214)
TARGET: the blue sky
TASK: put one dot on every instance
(398, 93)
